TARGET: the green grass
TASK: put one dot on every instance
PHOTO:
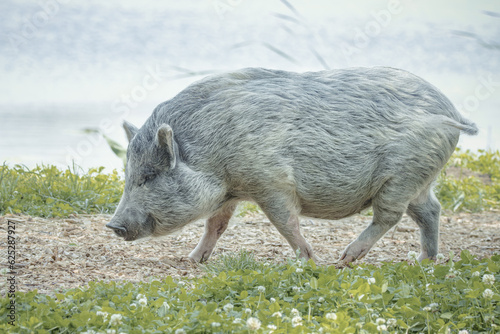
(47, 191)
(470, 193)
(295, 297)
(243, 260)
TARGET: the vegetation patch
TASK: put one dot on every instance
(46, 191)
(470, 182)
(240, 295)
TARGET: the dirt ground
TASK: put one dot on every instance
(57, 254)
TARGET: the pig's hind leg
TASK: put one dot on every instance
(214, 227)
(382, 222)
(425, 211)
(388, 208)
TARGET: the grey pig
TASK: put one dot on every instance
(319, 144)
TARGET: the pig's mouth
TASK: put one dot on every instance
(122, 232)
(139, 231)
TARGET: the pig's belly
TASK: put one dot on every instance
(335, 206)
(332, 211)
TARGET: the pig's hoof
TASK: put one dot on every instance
(355, 251)
(192, 260)
(199, 257)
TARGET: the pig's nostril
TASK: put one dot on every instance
(120, 231)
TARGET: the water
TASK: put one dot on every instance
(52, 135)
(66, 66)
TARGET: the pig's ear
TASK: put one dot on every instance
(165, 139)
(130, 130)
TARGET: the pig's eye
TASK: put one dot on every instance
(146, 178)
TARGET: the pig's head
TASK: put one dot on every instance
(159, 195)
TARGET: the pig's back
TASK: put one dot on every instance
(327, 136)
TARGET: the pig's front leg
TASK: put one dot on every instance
(287, 223)
(291, 232)
(214, 227)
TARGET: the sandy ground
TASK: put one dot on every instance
(56, 254)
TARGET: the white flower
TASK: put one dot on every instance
(103, 314)
(296, 321)
(237, 321)
(331, 316)
(321, 299)
(440, 257)
(476, 274)
(434, 306)
(488, 294)
(166, 306)
(488, 279)
(215, 324)
(392, 322)
(133, 305)
(299, 270)
(380, 321)
(277, 314)
(182, 283)
(381, 328)
(143, 301)
(116, 319)
(139, 296)
(228, 307)
(253, 324)
(180, 331)
(110, 331)
(294, 312)
(248, 311)
(295, 289)
(412, 255)
(261, 288)
(431, 307)
(452, 273)
(371, 280)
(272, 327)
(463, 331)
(272, 300)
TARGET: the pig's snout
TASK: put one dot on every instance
(119, 230)
(131, 225)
